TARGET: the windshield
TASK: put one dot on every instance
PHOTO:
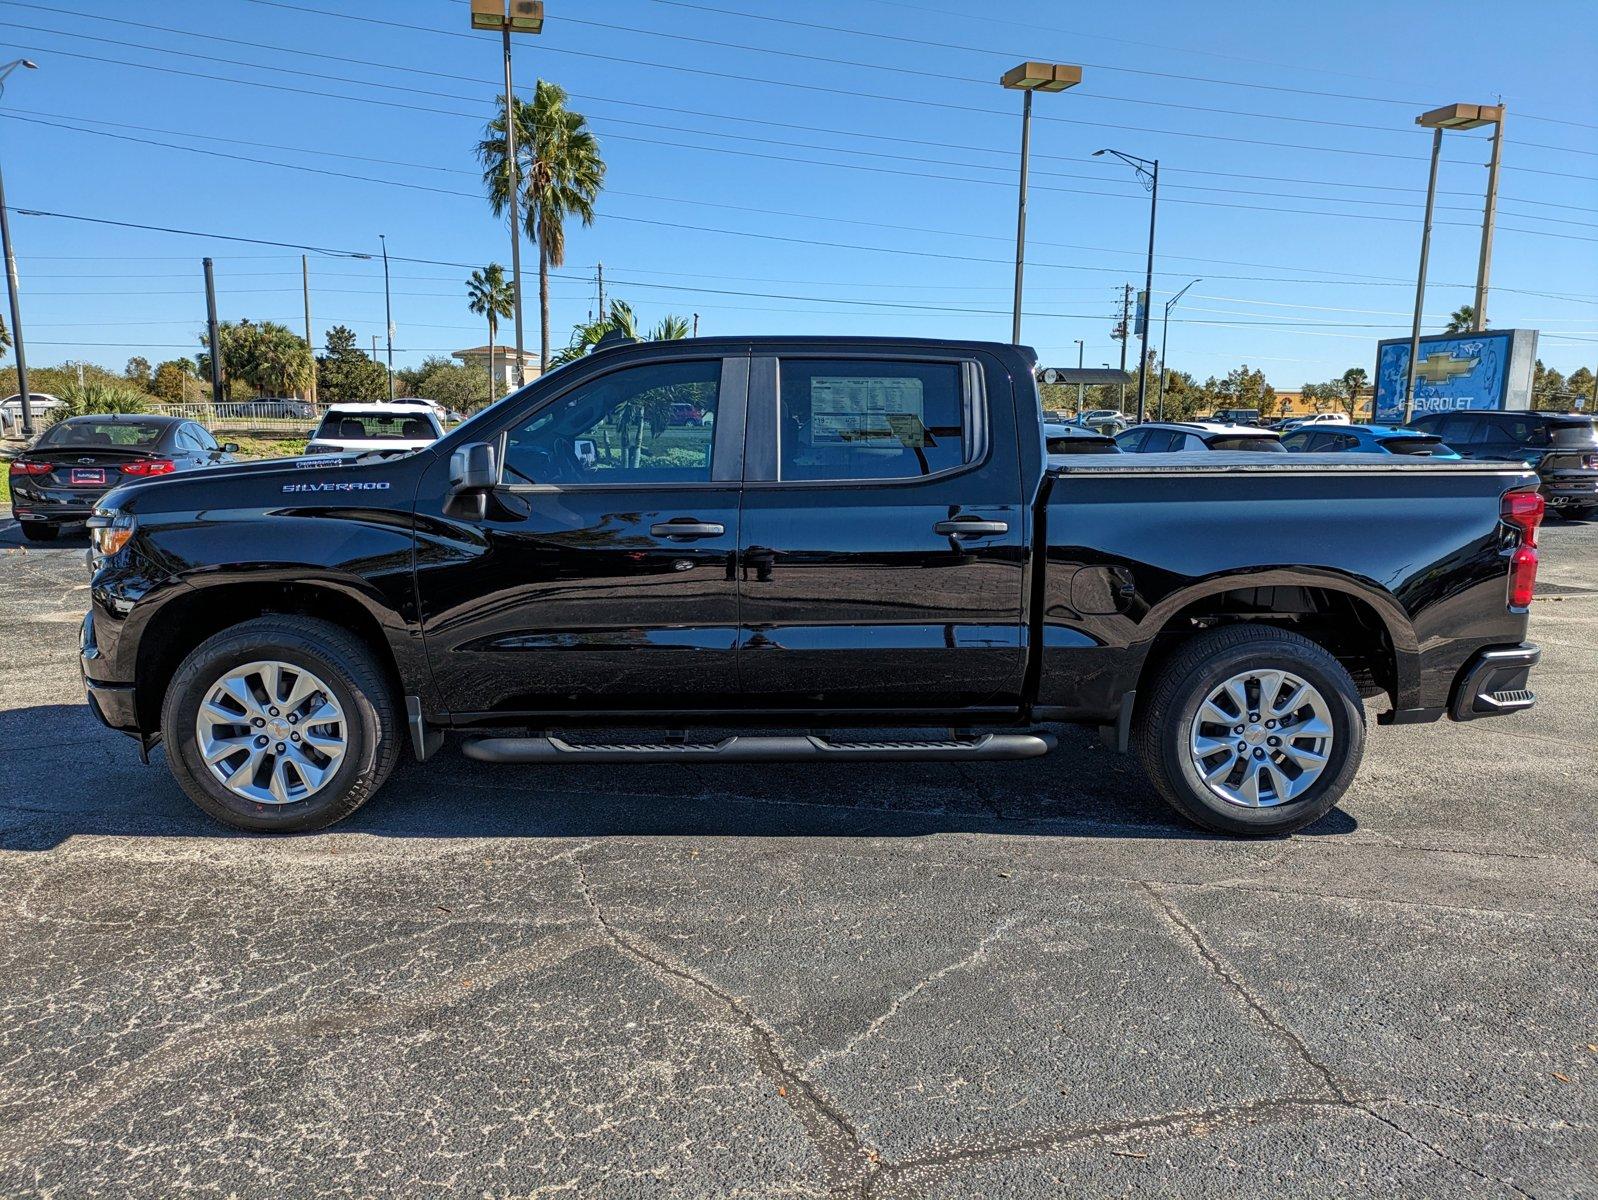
(102, 433)
(1267, 444)
(373, 427)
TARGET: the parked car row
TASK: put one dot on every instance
(57, 481)
(1561, 447)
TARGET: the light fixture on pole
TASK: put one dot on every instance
(512, 16)
(1026, 78)
(1450, 116)
(1165, 330)
(1148, 170)
(12, 286)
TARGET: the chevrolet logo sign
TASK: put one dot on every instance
(1441, 368)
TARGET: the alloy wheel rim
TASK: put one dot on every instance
(1261, 738)
(271, 732)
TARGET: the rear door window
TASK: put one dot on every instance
(1131, 442)
(1462, 431)
(871, 419)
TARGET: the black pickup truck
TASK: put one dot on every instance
(846, 541)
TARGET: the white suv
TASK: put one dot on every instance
(396, 428)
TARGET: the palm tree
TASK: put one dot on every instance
(1354, 380)
(622, 320)
(561, 175)
(489, 294)
(1461, 319)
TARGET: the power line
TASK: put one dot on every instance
(920, 103)
(652, 125)
(1252, 85)
(787, 159)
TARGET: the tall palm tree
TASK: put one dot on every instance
(489, 294)
(1461, 319)
(561, 174)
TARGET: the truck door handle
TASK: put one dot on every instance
(687, 528)
(968, 527)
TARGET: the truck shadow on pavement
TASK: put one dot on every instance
(71, 777)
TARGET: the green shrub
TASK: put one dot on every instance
(85, 398)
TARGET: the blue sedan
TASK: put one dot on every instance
(1367, 439)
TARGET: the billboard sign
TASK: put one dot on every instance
(1492, 369)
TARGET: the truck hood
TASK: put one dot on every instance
(262, 483)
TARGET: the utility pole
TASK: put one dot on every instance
(1080, 391)
(1484, 265)
(12, 285)
(601, 269)
(1125, 335)
(213, 334)
(388, 315)
(696, 324)
(310, 342)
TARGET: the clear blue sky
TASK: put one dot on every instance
(875, 158)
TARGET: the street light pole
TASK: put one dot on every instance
(1147, 169)
(1420, 278)
(13, 286)
(1020, 213)
(1080, 390)
(1029, 77)
(1165, 331)
(388, 317)
(1489, 213)
(512, 16)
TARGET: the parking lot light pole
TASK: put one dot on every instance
(12, 285)
(1148, 170)
(1450, 116)
(388, 317)
(512, 16)
(1026, 78)
(1080, 390)
(1165, 331)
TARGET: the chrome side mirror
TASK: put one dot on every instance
(474, 468)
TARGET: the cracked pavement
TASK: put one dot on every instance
(918, 981)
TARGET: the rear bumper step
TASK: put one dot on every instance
(740, 749)
(1494, 682)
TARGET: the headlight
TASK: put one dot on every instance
(109, 531)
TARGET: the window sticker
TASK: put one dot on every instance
(869, 410)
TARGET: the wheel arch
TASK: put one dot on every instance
(198, 612)
(1358, 621)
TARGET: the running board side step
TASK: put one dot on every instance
(743, 749)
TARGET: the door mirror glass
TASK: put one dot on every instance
(230, 447)
(474, 468)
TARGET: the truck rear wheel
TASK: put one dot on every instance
(280, 724)
(1252, 730)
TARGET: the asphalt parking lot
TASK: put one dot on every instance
(918, 981)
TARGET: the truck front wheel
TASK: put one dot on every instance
(1252, 730)
(280, 724)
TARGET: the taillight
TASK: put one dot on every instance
(21, 466)
(1523, 510)
(150, 466)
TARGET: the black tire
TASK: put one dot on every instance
(1184, 683)
(336, 657)
(36, 532)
